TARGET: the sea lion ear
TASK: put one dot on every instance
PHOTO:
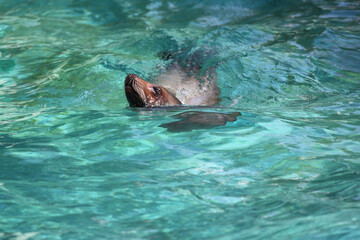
(171, 91)
(174, 101)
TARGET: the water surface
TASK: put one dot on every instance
(77, 163)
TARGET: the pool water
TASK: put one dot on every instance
(77, 163)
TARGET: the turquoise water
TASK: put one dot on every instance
(77, 163)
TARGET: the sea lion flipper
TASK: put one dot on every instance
(199, 120)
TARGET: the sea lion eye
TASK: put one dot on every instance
(157, 90)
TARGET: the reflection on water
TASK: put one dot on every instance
(77, 163)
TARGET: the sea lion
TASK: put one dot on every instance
(179, 87)
(141, 93)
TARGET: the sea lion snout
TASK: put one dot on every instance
(141, 93)
(130, 78)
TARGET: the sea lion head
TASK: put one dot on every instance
(141, 93)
